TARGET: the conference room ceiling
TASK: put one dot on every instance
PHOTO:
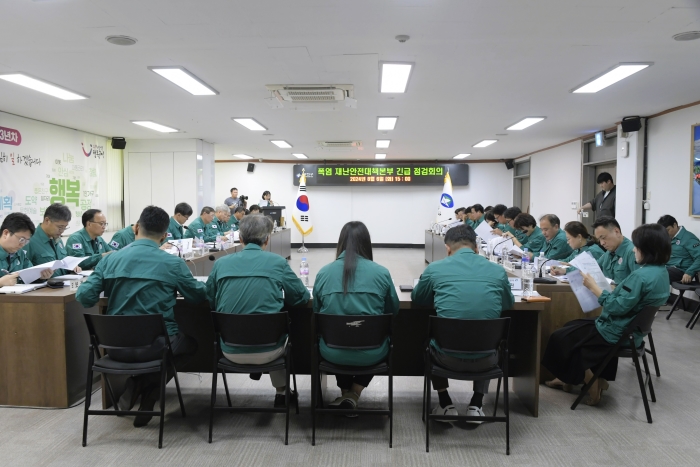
(480, 66)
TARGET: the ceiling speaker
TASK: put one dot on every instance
(251, 167)
(509, 164)
(630, 124)
(118, 143)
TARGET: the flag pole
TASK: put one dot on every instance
(303, 248)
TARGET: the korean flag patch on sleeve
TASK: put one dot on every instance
(200, 230)
(170, 235)
(114, 244)
(77, 246)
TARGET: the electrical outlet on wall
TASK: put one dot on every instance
(574, 205)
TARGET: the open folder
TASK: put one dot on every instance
(29, 275)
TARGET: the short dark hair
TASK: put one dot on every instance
(266, 192)
(653, 243)
(489, 217)
(667, 221)
(604, 177)
(608, 222)
(184, 209)
(355, 241)
(462, 235)
(89, 215)
(478, 208)
(58, 212)
(206, 210)
(17, 222)
(458, 210)
(488, 208)
(512, 213)
(499, 209)
(524, 220)
(234, 188)
(154, 221)
(552, 219)
(255, 207)
(576, 228)
(239, 209)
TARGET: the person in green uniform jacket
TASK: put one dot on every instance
(46, 244)
(88, 241)
(221, 221)
(143, 280)
(556, 246)
(464, 285)
(201, 226)
(354, 284)
(507, 221)
(501, 222)
(176, 229)
(618, 262)
(460, 213)
(491, 220)
(238, 214)
(16, 232)
(580, 241)
(124, 237)
(575, 351)
(535, 241)
(467, 216)
(477, 215)
(685, 252)
(253, 281)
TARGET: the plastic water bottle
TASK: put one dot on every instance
(525, 260)
(528, 279)
(304, 271)
(219, 244)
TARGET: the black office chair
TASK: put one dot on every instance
(351, 332)
(127, 333)
(468, 337)
(696, 314)
(682, 289)
(625, 349)
(251, 331)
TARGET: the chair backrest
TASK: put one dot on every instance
(642, 322)
(121, 332)
(353, 331)
(253, 330)
(469, 335)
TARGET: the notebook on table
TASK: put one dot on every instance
(20, 288)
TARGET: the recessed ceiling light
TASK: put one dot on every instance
(383, 143)
(155, 126)
(484, 143)
(121, 40)
(386, 123)
(394, 76)
(243, 156)
(687, 36)
(186, 80)
(300, 156)
(249, 123)
(280, 143)
(461, 156)
(42, 86)
(380, 156)
(525, 122)
(612, 76)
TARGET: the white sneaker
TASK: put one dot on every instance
(449, 410)
(473, 411)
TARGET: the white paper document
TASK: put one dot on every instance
(515, 250)
(587, 263)
(499, 244)
(29, 275)
(484, 231)
(21, 288)
(586, 298)
(519, 293)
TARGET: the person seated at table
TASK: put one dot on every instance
(46, 244)
(221, 222)
(685, 252)
(202, 226)
(88, 241)
(508, 217)
(16, 232)
(477, 215)
(534, 240)
(556, 246)
(238, 214)
(254, 209)
(467, 216)
(580, 241)
(143, 280)
(491, 219)
(459, 213)
(354, 284)
(464, 285)
(488, 208)
(498, 211)
(252, 281)
(618, 262)
(176, 229)
(575, 351)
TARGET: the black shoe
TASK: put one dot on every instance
(255, 376)
(279, 399)
(148, 401)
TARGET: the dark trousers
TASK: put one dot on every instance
(346, 381)
(675, 274)
(476, 365)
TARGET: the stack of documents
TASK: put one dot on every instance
(586, 263)
(29, 275)
(21, 288)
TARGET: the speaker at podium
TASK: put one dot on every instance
(273, 212)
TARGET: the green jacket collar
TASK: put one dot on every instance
(41, 237)
(463, 251)
(85, 235)
(623, 248)
(252, 246)
(145, 242)
(3, 255)
(536, 231)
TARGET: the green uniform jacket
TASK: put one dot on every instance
(80, 244)
(15, 262)
(469, 223)
(592, 247)
(619, 264)
(175, 230)
(233, 223)
(371, 293)
(646, 286)
(535, 242)
(557, 248)
(685, 252)
(141, 280)
(252, 281)
(465, 286)
(198, 228)
(123, 238)
(43, 249)
(476, 223)
(222, 227)
(519, 234)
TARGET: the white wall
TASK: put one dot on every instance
(397, 215)
(555, 182)
(630, 181)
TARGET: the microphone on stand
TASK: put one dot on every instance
(543, 263)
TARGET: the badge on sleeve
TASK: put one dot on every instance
(114, 244)
(77, 246)
(214, 226)
(170, 235)
(678, 242)
(200, 230)
(619, 261)
(696, 245)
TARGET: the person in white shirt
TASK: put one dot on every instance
(266, 201)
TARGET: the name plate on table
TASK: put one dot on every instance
(516, 283)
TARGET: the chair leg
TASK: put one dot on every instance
(287, 399)
(179, 393)
(694, 318)
(697, 315)
(588, 385)
(391, 409)
(648, 378)
(652, 351)
(314, 389)
(294, 379)
(498, 393)
(88, 398)
(507, 409)
(427, 415)
(642, 388)
(424, 391)
(163, 373)
(223, 377)
(675, 303)
(215, 373)
(110, 392)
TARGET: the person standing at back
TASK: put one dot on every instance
(465, 285)
(354, 284)
(604, 202)
(46, 244)
(88, 241)
(233, 201)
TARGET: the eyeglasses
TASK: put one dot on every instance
(61, 228)
(22, 240)
(101, 224)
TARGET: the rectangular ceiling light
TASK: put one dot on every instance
(42, 86)
(280, 143)
(243, 156)
(300, 156)
(155, 126)
(250, 123)
(525, 123)
(186, 80)
(383, 143)
(617, 73)
(380, 156)
(386, 123)
(394, 76)
(484, 143)
(461, 156)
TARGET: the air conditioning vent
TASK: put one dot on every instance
(341, 145)
(311, 93)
